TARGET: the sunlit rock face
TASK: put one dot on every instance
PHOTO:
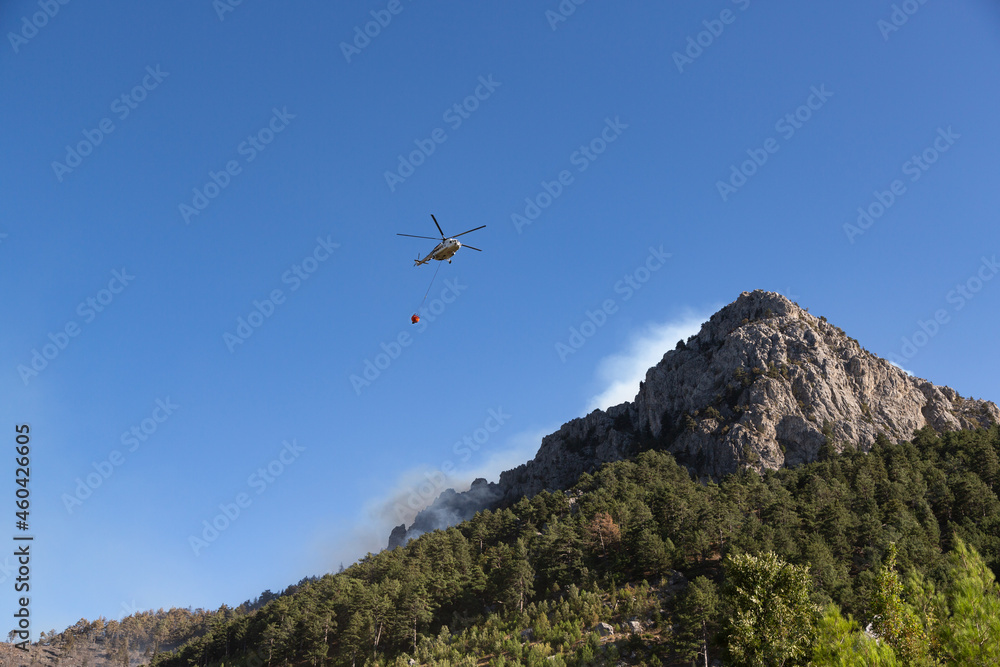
(764, 384)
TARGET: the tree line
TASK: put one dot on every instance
(885, 557)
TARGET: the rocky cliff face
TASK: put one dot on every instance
(763, 385)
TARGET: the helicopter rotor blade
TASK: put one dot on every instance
(470, 247)
(419, 237)
(471, 230)
(437, 225)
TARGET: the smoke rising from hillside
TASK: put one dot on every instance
(621, 373)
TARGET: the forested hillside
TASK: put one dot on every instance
(763, 384)
(133, 640)
(641, 564)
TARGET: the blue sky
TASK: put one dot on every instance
(619, 123)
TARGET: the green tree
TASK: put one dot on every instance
(274, 636)
(512, 579)
(971, 635)
(372, 610)
(417, 608)
(895, 621)
(651, 555)
(317, 627)
(696, 617)
(772, 620)
(841, 643)
(558, 554)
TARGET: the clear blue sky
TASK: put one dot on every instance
(659, 133)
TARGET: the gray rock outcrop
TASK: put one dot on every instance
(764, 384)
(397, 537)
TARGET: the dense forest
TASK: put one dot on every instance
(879, 558)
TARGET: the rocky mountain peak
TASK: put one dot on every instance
(764, 384)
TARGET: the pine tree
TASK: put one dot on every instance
(417, 608)
(696, 618)
(558, 554)
(512, 579)
(895, 621)
(971, 636)
(841, 643)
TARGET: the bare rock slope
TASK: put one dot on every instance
(763, 385)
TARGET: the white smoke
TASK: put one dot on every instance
(621, 373)
(416, 489)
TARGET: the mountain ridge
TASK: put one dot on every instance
(764, 384)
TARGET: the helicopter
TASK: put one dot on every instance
(444, 250)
